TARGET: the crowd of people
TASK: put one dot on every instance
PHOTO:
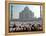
(23, 28)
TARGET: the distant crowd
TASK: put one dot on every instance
(23, 28)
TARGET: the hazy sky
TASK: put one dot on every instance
(18, 8)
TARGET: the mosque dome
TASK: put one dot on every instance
(26, 14)
(26, 8)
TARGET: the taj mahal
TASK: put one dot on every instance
(26, 16)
